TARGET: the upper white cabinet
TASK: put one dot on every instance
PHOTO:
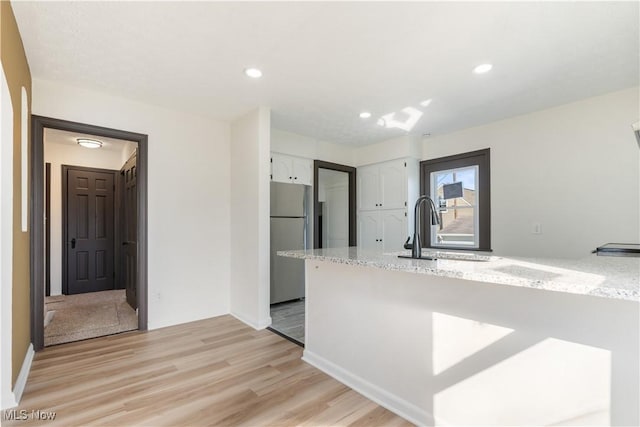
(387, 185)
(393, 184)
(302, 171)
(368, 187)
(291, 169)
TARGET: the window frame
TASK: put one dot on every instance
(433, 186)
(480, 158)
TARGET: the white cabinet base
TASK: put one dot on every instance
(382, 230)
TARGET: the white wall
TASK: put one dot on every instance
(7, 398)
(575, 169)
(188, 196)
(127, 151)
(250, 180)
(304, 146)
(60, 154)
(310, 148)
(390, 149)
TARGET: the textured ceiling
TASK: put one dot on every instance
(324, 63)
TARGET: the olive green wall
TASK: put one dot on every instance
(16, 70)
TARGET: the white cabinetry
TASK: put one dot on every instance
(368, 230)
(383, 185)
(386, 193)
(291, 169)
(367, 191)
(394, 229)
(382, 229)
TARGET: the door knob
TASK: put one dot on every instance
(73, 243)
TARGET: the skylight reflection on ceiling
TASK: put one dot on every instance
(390, 120)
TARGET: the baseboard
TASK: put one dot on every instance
(49, 317)
(8, 400)
(395, 404)
(21, 381)
(250, 322)
(265, 323)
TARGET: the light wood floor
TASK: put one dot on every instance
(211, 372)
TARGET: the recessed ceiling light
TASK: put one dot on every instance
(89, 143)
(365, 115)
(426, 102)
(254, 73)
(482, 68)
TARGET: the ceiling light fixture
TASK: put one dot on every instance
(254, 73)
(482, 68)
(89, 143)
(426, 102)
(365, 115)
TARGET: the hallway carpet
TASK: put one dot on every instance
(82, 316)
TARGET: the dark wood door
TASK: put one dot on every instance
(129, 174)
(90, 234)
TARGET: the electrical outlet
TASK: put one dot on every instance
(536, 228)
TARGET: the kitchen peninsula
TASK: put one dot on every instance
(478, 339)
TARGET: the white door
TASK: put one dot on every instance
(368, 188)
(302, 171)
(368, 230)
(281, 168)
(337, 215)
(393, 185)
(394, 229)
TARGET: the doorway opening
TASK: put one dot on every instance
(86, 207)
(329, 224)
(334, 199)
(92, 280)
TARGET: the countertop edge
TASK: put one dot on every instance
(548, 285)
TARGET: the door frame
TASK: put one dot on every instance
(47, 216)
(319, 164)
(37, 247)
(65, 225)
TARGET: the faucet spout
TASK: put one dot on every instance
(416, 248)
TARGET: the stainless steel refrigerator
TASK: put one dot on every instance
(288, 232)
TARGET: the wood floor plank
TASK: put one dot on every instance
(211, 372)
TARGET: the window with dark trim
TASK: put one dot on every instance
(465, 213)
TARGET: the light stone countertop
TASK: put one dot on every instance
(601, 276)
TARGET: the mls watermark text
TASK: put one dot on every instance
(26, 415)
